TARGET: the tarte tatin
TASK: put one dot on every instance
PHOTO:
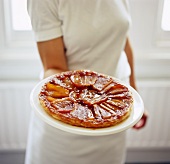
(86, 98)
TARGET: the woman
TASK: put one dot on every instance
(80, 34)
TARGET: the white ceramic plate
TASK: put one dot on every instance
(135, 116)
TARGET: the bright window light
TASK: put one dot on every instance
(166, 16)
(20, 18)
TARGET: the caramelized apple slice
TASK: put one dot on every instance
(63, 81)
(64, 105)
(117, 103)
(104, 113)
(66, 82)
(97, 113)
(88, 97)
(75, 96)
(51, 99)
(56, 90)
(116, 89)
(108, 108)
(101, 83)
(91, 97)
(85, 79)
(124, 95)
(82, 112)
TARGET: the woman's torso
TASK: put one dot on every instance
(94, 33)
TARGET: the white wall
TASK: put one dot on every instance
(144, 34)
(149, 55)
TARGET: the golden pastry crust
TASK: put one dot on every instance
(86, 98)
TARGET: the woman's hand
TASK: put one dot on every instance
(142, 122)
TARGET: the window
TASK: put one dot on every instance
(17, 24)
(163, 24)
(17, 39)
(20, 18)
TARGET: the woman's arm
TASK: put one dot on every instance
(129, 53)
(52, 54)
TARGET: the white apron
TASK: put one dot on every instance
(47, 144)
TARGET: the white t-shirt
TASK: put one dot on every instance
(94, 33)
